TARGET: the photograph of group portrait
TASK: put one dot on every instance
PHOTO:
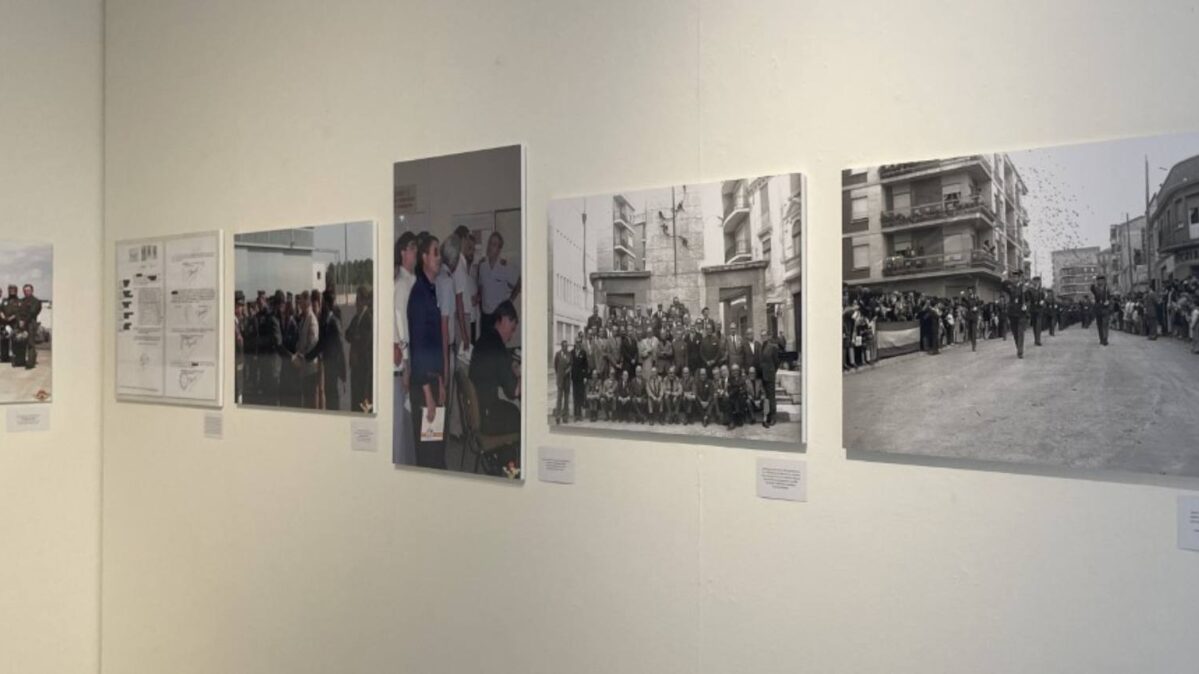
(304, 321)
(457, 343)
(26, 321)
(678, 311)
(1036, 307)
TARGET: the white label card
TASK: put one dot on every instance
(1188, 522)
(556, 464)
(214, 425)
(784, 479)
(363, 436)
(29, 419)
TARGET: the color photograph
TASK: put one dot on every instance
(26, 322)
(457, 343)
(304, 318)
(1038, 307)
(678, 311)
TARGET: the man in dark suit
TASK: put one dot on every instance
(562, 361)
(628, 351)
(734, 347)
(768, 367)
(1103, 305)
(595, 322)
(751, 350)
(1019, 296)
(579, 369)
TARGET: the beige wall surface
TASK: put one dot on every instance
(280, 550)
(50, 191)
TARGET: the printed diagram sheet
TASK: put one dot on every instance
(168, 319)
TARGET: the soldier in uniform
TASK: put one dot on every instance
(1019, 296)
(972, 307)
(1036, 309)
(1103, 302)
(688, 405)
(8, 323)
(768, 367)
(29, 308)
(1052, 312)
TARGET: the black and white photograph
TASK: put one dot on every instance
(1038, 307)
(26, 321)
(304, 318)
(457, 342)
(677, 311)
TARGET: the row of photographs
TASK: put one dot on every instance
(1038, 307)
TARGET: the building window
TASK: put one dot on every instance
(1193, 216)
(764, 203)
(901, 244)
(766, 249)
(858, 211)
(861, 256)
(795, 241)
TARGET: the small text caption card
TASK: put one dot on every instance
(1188, 522)
(784, 479)
(556, 464)
(29, 419)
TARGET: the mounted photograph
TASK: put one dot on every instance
(303, 307)
(1038, 307)
(459, 308)
(678, 311)
(26, 322)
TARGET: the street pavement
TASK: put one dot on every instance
(18, 385)
(1130, 406)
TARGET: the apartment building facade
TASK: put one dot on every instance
(936, 227)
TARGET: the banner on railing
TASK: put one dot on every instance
(898, 338)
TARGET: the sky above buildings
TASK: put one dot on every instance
(1076, 192)
(353, 241)
(22, 263)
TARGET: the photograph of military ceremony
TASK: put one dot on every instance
(1037, 307)
(459, 242)
(678, 311)
(26, 321)
(304, 318)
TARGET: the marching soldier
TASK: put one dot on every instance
(1036, 308)
(1052, 312)
(1019, 296)
(1103, 300)
(973, 309)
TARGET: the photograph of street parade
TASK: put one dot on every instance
(459, 243)
(304, 318)
(1037, 307)
(26, 321)
(677, 311)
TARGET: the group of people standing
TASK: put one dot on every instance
(454, 312)
(19, 327)
(658, 366)
(292, 350)
(1021, 304)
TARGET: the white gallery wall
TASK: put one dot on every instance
(50, 191)
(280, 550)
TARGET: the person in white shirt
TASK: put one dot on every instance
(453, 327)
(498, 281)
(403, 443)
(466, 282)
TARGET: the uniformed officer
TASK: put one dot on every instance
(1051, 312)
(973, 310)
(1103, 303)
(1019, 297)
(580, 370)
(8, 323)
(29, 308)
(1036, 309)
